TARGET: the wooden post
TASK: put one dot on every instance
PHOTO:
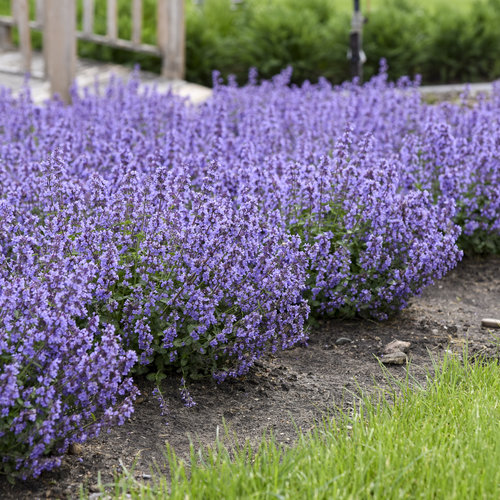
(112, 19)
(6, 32)
(39, 12)
(22, 16)
(136, 21)
(5, 38)
(88, 17)
(59, 40)
(171, 38)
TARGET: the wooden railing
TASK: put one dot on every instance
(57, 20)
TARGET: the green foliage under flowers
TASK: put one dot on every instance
(194, 358)
(439, 40)
(311, 225)
(481, 241)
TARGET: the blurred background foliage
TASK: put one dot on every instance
(444, 41)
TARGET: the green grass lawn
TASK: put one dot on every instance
(441, 441)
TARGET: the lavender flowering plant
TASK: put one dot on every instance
(199, 283)
(59, 383)
(371, 246)
(141, 233)
(182, 276)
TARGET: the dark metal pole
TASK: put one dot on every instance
(355, 43)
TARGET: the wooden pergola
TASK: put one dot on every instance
(56, 19)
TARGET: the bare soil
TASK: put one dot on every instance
(291, 389)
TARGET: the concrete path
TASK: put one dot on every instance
(88, 73)
(455, 89)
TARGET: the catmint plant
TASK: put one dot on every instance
(141, 233)
(60, 382)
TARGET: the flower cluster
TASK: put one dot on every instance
(139, 232)
(93, 273)
(372, 247)
(56, 373)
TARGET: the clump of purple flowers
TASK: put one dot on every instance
(141, 233)
(182, 277)
(371, 246)
(60, 381)
(456, 155)
(192, 280)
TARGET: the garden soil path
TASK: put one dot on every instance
(291, 389)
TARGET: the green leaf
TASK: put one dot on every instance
(193, 327)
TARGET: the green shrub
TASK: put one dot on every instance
(273, 35)
(400, 33)
(465, 47)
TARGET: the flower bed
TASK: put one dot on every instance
(139, 233)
